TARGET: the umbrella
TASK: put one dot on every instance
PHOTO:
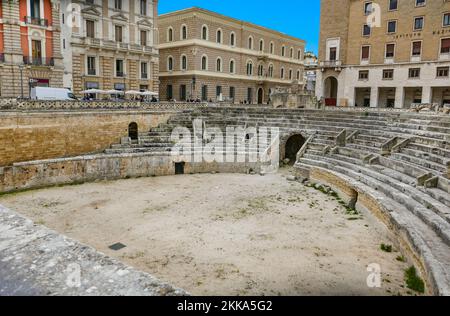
(133, 92)
(114, 92)
(149, 93)
(92, 91)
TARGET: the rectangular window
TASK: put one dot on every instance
(392, 26)
(416, 49)
(393, 5)
(445, 46)
(118, 4)
(390, 50)
(35, 9)
(143, 7)
(143, 38)
(91, 66)
(414, 73)
(118, 33)
(144, 71)
(420, 3)
(365, 53)
(333, 53)
(366, 30)
(418, 23)
(388, 74)
(119, 68)
(363, 75)
(367, 8)
(446, 21)
(90, 29)
(442, 72)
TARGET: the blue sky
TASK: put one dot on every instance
(294, 17)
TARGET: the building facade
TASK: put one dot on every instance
(384, 53)
(207, 56)
(110, 44)
(310, 72)
(30, 52)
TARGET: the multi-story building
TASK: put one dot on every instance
(310, 72)
(30, 52)
(386, 53)
(110, 44)
(208, 56)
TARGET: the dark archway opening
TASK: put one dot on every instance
(293, 146)
(179, 168)
(133, 132)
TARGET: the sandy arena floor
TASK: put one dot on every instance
(221, 234)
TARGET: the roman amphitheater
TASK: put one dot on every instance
(95, 202)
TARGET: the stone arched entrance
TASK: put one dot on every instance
(291, 147)
(330, 91)
(260, 96)
(133, 131)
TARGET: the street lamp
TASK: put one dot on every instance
(21, 80)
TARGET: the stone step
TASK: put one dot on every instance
(438, 159)
(429, 245)
(436, 150)
(439, 221)
(425, 164)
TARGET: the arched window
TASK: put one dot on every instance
(219, 64)
(170, 63)
(260, 70)
(282, 73)
(204, 63)
(249, 68)
(233, 39)
(183, 62)
(283, 51)
(291, 54)
(170, 34)
(272, 47)
(261, 45)
(219, 36)
(250, 42)
(298, 74)
(204, 32)
(271, 71)
(232, 66)
(299, 54)
(290, 74)
(183, 32)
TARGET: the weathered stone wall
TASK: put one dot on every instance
(36, 174)
(26, 136)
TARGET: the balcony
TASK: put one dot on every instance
(92, 72)
(120, 74)
(330, 64)
(144, 75)
(2, 57)
(36, 21)
(38, 61)
(336, 64)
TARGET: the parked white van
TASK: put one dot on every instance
(52, 94)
